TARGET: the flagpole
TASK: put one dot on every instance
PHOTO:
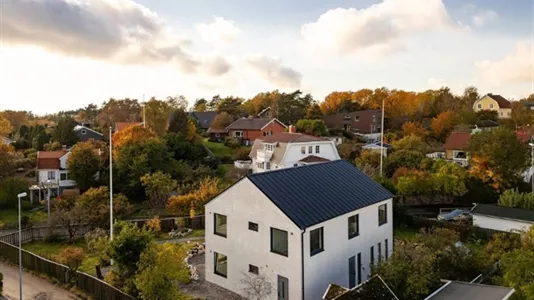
(382, 140)
(110, 185)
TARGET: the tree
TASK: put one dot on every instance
(119, 110)
(313, 127)
(160, 268)
(131, 135)
(9, 189)
(292, 107)
(16, 118)
(487, 114)
(469, 97)
(157, 114)
(68, 215)
(368, 158)
(5, 126)
(154, 224)
(94, 204)
(242, 153)
(97, 242)
(497, 157)
(314, 112)
(200, 105)
(83, 164)
(500, 244)
(413, 143)
(518, 265)
(72, 257)
(193, 202)
(340, 102)
(158, 187)
(64, 132)
(414, 128)
(230, 105)
(402, 158)
(222, 120)
(256, 287)
(40, 140)
(513, 198)
(7, 159)
(443, 124)
(178, 122)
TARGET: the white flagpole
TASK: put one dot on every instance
(110, 185)
(382, 140)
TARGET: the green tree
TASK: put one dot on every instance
(158, 187)
(293, 106)
(402, 158)
(231, 105)
(64, 132)
(83, 164)
(222, 120)
(178, 122)
(157, 114)
(9, 189)
(413, 143)
(313, 127)
(518, 265)
(487, 114)
(200, 105)
(94, 204)
(314, 112)
(40, 140)
(513, 198)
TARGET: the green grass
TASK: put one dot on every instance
(10, 217)
(404, 233)
(165, 235)
(197, 232)
(218, 149)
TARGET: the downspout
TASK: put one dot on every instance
(302, 259)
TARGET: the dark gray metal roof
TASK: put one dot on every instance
(504, 212)
(375, 288)
(204, 118)
(315, 193)
(249, 123)
(470, 291)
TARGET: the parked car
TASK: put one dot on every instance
(456, 215)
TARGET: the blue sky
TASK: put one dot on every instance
(59, 55)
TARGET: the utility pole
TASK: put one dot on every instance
(19, 196)
(110, 185)
(144, 114)
(382, 140)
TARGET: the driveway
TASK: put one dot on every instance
(33, 287)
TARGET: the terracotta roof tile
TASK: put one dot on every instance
(49, 159)
(457, 140)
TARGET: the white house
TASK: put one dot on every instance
(502, 218)
(290, 149)
(52, 170)
(302, 228)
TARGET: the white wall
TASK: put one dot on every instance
(332, 265)
(63, 160)
(43, 176)
(500, 224)
(243, 203)
(293, 153)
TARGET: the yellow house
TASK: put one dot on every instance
(496, 103)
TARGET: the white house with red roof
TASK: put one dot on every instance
(290, 149)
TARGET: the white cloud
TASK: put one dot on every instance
(380, 26)
(482, 18)
(436, 83)
(120, 31)
(220, 31)
(514, 68)
(274, 71)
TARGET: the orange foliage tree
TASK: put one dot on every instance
(414, 128)
(193, 202)
(130, 135)
(443, 124)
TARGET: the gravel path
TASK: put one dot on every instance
(203, 289)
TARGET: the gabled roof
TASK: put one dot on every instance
(315, 193)
(458, 290)
(313, 159)
(373, 289)
(204, 118)
(123, 125)
(519, 214)
(260, 114)
(49, 159)
(457, 140)
(251, 123)
(288, 137)
(503, 103)
(80, 127)
(216, 130)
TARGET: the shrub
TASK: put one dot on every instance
(154, 224)
(9, 188)
(231, 143)
(72, 257)
(242, 153)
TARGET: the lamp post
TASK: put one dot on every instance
(531, 144)
(110, 185)
(382, 140)
(19, 196)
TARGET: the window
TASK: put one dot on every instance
(295, 165)
(491, 105)
(347, 117)
(359, 268)
(269, 147)
(220, 225)
(303, 150)
(382, 214)
(356, 118)
(386, 246)
(317, 148)
(374, 118)
(316, 241)
(372, 255)
(63, 176)
(479, 105)
(253, 269)
(354, 226)
(84, 131)
(238, 133)
(252, 226)
(459, 155)
(267, 166)
(51, 175)
(310, 149)
(221, 264)
(267, 133)
(379, 252)
(279, 243)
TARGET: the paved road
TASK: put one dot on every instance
(32, 287)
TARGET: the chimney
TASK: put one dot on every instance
(292, 129)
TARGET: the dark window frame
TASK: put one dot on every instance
(251, 226)
(372, 255)
(317, 149)
(215, 225)
(316, 251)
(253, 269)
(357, 233)
(379, 249)
(215, 262)
(385, 221)
(386, 249)
(61, 175)
(286, 254)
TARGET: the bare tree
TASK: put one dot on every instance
(256, 287)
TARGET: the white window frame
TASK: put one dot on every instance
(66, 176)
(317, 149)
(303, 149)
(455, 152)
(51, 175)
(238, 133)
(310, 149)
(491, 105)
(269, 147)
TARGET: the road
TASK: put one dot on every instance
(33, 287)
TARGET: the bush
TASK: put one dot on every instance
(154, 224)
(9, 188)
(231, 143)
(72, 257)
(242, 153)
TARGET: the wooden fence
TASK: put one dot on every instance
(38, 233)
(168, 224)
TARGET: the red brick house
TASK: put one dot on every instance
(363, 121)
(247, 130)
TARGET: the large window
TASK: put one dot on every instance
(221, 264)
(382, 214)
(316, 241)
(51, 175)
(238, 133)
(220, 225)
(317, 148)
(279, 244)
(303, 150)
(354, 226)
(63, 176)
(310, 149)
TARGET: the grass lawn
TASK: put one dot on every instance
(218, 149)
(165, 235)
(50, 250)
(10, 217)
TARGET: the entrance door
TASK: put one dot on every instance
(283, 288)
(352, 272)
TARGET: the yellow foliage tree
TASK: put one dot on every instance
(480, 169)
(5, 126)
(443, 124)
(191, 131)
(129, 135)
(193, 202)
(414, 128)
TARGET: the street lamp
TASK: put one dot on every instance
(49, 184)
(19, 196)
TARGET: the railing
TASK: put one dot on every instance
(264, 155)
(436, 155)
(243, 164)
(38, 233)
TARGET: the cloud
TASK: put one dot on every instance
(436, 83)
(273, 70)
(482, 18)
(514, 68)
(121, 31)
(220, 31)
(380, 26)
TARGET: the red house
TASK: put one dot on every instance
(249, 129)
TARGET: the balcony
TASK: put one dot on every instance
(243, 164)
(264, 155)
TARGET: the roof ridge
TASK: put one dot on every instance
(292, 168)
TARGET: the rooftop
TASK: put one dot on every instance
(250, 123)
(288, 137)
(315, 193)
(457, 290)
(457, 140)
(503, 103)
(373, 289)
(313, 159)
(49, 159)
(504, 212)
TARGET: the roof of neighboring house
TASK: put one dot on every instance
(503, 103)
(49, 159)
(457, 140)
(313, 159)
(288, 137)
(315, 193)
(264, 111)
(80, 127)
(251, 123)
(375, 288)
(519, 214)
(523, 136)
(458, 290)
(123, 125)
(204, 118)
(216, 130)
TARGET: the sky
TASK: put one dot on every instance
(65, 54)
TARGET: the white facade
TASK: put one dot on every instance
(244, 203)
(292, 155)
(500, 224)
(58, 176)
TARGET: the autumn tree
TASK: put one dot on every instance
(157, 114)
(222, 120)
(16, 118)
(339, 102)
(83, 164)
(5, 126)
(72, 257)
(130, 135)
(158, 187)
(411, 142)
(64, 132)
(94, 205)
(443, 124)
(200, 105)
(68, 215)
(313, 127)
(7, 159)
(193, 202)
(119, 110)
(414, 128)
(314, 112)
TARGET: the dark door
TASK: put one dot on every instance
(352, 272)
(359, 268)
(283, 288)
